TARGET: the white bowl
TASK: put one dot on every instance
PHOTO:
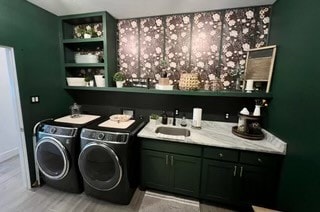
(86, 58)
(76, 81)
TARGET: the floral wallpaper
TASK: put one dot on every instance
(177, 45)
(240, 33)
(212, 43)
(128, 57)
(151, 46)
(206, 38)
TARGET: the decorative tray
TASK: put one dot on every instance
(246, 135)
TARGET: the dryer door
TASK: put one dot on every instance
(100, 166)
(52, 158)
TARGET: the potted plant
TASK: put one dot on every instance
(89, 78)
(154, 119)
(119, 78)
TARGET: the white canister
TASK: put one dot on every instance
(249, 86)
(257, 110)
(100, 80)
(197, 117)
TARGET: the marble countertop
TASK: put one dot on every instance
(218, 134)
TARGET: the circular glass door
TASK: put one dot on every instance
(100, 166)
(51, 158)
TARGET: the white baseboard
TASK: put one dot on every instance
(8, 154)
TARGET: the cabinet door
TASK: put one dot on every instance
(258, 185)
(219, 180)
(155, 169)
(185, 174)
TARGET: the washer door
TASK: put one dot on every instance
(52, 158)
(100, 166)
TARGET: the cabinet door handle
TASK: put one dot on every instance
(220, 155)
(171, 160)
(241, 170)
(235, 171)
(259, 160)
(167, 158)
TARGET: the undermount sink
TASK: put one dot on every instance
(173, 131)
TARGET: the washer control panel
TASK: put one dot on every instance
(113, 137)
(57, 130)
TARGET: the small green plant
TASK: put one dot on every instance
(154, 116)
(118, 76)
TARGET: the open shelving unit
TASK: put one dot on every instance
(105, 43)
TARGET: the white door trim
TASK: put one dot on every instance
(9, 54)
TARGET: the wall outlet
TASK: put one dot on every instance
(35, 99)
(227, 116)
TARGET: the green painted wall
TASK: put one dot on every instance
(294, 110)
(33, 33)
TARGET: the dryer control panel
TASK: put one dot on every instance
(57, 130)
(111, 137)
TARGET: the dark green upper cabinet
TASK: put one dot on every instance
(84, 34)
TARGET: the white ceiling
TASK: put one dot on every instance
(122, 9)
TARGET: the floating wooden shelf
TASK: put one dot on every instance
(260, 95)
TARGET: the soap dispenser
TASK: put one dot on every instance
(164, 118)
(183, 121)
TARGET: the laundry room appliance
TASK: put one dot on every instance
(57, 150)
(109, 160)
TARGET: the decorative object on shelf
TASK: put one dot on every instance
(75, 110)
(119, 78)
(86, 31)
(154, 119)
(189, 81)
(164, 83)
(259, 67)
(216, 85)
(207, 85)
(249, 86)
(86, 58)
(100, 80)
(76, 81)
(89, 78)
(249, 125)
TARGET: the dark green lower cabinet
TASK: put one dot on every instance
(155, 172)
(171, 172)
(218, 180)
(238, 183)
(258, 185)
(185, 174)
(234, 177)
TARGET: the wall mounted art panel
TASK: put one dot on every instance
(151, 46)
(177, 45)
(211, 43)
(128, 51)
(242, 29)
(206, 39)
(263, 15)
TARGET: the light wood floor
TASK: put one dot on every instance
(15, 198)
